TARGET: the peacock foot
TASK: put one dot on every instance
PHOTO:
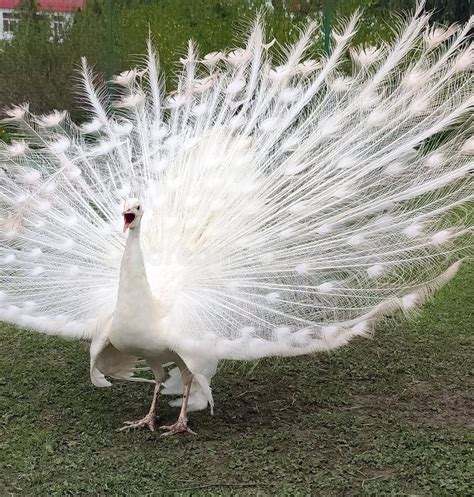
(181, 426)
(147, 422)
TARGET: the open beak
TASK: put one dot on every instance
(128, 218)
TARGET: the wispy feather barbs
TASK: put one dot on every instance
(213, 58)
(51, 120)
(366, 56)
(127, 78)
(435, 35)
(92, 126)
(17, 112)
(16, 149)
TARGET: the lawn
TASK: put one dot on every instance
(388, 416)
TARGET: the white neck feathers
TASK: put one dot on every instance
(133, 283)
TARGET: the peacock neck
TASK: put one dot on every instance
(133, 278)
(135, 318)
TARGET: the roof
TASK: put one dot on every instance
(52, 5)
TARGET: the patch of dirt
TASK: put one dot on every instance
(419, 402)
(426, 404)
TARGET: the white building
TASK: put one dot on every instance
(60, 11)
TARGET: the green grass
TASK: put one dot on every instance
(388, 416)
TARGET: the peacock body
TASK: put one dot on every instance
(285, 207)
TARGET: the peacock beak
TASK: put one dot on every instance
(128, 218)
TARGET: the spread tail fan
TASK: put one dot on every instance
(288, 205)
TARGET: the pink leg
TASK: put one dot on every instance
(149, 420)
(181, 426)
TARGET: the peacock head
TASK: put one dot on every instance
(132, 214)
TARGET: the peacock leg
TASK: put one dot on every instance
(149, 419)
(181, 426)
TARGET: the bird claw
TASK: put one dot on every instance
(178, 427)
(147, 422)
